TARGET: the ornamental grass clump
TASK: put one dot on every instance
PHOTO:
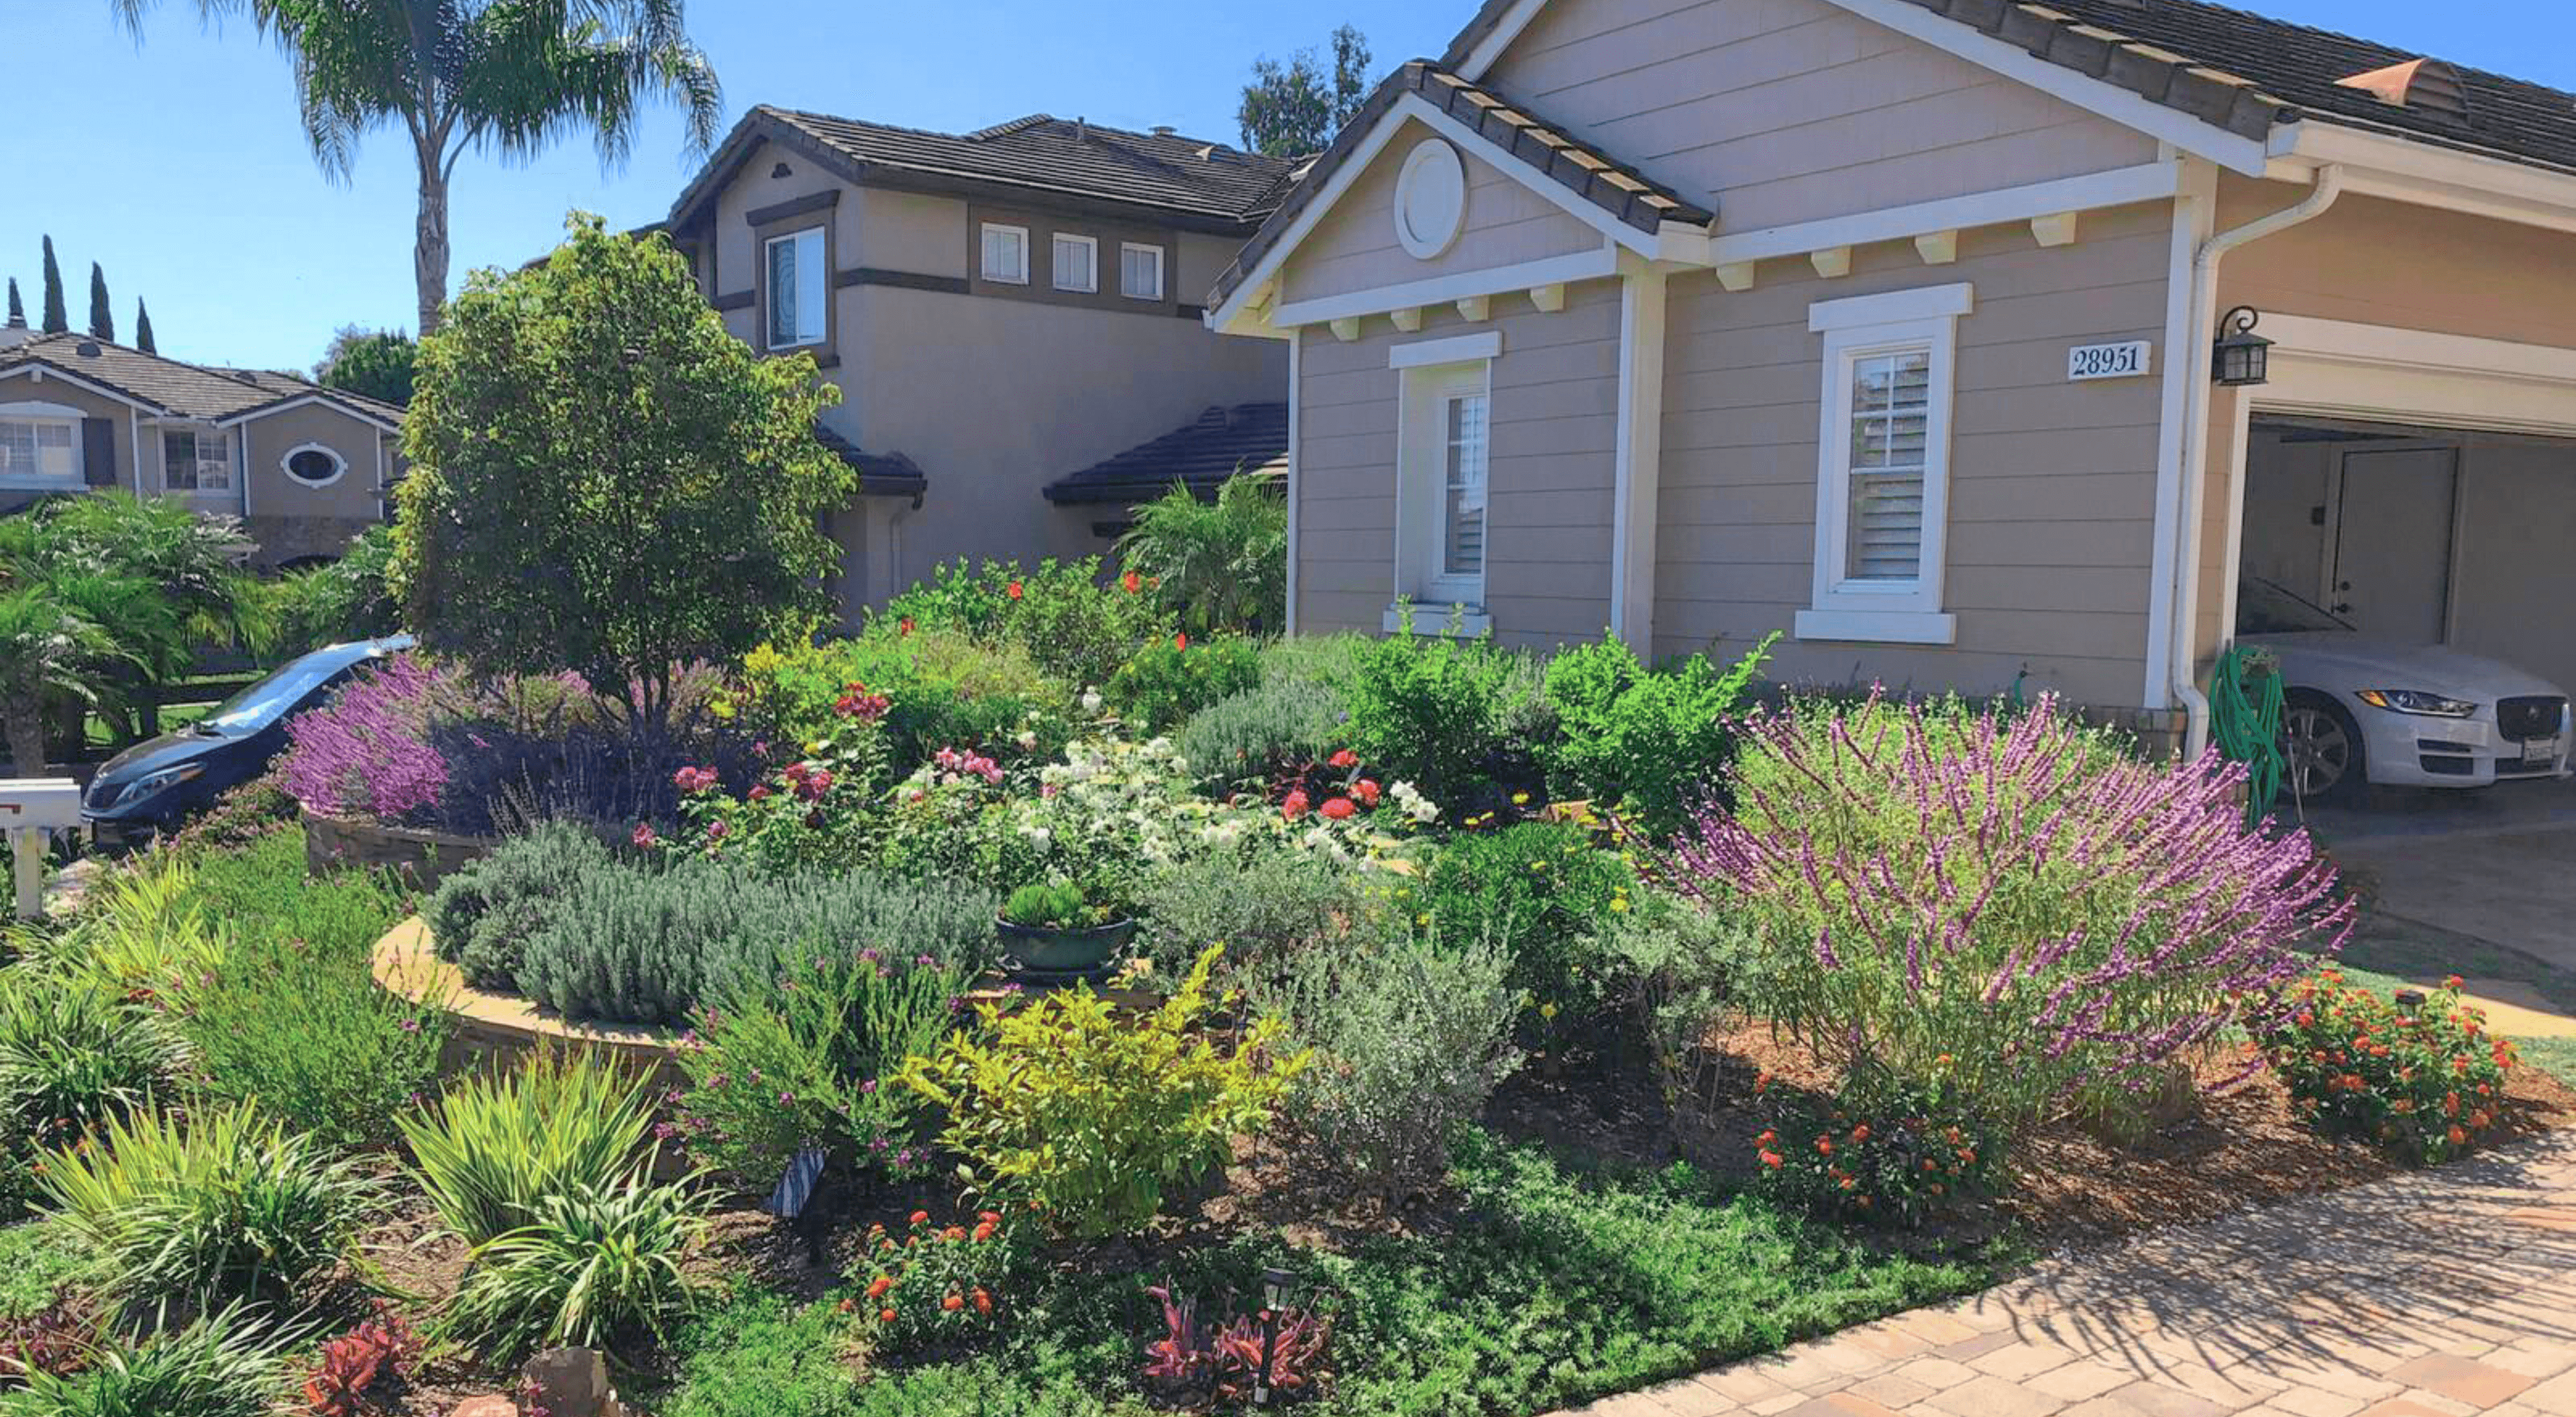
(2006, 906)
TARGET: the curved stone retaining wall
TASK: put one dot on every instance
(421, 857)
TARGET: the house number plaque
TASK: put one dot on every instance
(2108, 361)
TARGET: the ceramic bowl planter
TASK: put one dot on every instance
(1047, 954)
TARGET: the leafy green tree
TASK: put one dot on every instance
(191, 589)
(1294, 109)
(73, 630)
(57, 316)
(1223, 565)
(505, 75)
(377, 363)
(17, 307)
(143, 329)
(604, 480)
(102, 316)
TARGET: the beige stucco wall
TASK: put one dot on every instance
(1794, 110)
(274, 494)
(737, 262)
(1355, 248)
(2052, 484)
(1550, 471)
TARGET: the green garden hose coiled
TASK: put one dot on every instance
(2245, 720)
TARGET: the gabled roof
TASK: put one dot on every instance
(1533, 147)
(880, 474)
(2233, 69)
(172, 388)
(1249, 437)
(1191, 181)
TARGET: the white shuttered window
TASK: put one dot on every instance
(1883, 465)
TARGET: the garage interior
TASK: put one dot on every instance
(2421, 535)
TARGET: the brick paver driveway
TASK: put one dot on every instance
(2436, 1294)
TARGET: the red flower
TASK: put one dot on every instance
(1860, 1133)
(983, 1232)
(1366, 790)
(885, 1315)
(1824, 1146)
(1132, 581)
(878, 1288)
(919, 1216)
(1014, 591)
(953, 1302)
(759, 793)
(1338, 808)
(1346, 759)
(1294, 805)
(906, 626)
(2457, 1137)
(1771, 1158)
(644, 836)
(983, 1302)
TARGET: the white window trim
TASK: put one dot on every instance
(1055, 268)
(37, 412)
(340, 465)
(1456, 349)
(1421, 479)
(1139, 248)
(983, 253)
(769, 290)
(234, 444)
(1899, 612)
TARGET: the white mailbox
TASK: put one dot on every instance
(32, 809)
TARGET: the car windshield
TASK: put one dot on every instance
(271, 698)
(2265, 608)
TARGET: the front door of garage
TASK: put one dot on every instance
(2390, 574)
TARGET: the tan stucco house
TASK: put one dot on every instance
(1004, 311)
(304, 467)
(1889, 324)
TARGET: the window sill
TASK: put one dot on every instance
(33, 482)
(1899, 627)
(1434, 620)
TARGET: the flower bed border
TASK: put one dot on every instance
(423, 858)
(492, 1027)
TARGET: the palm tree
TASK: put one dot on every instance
(1223, 564)
(512, 75)
(55, 644)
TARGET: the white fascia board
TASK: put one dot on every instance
(2349, 342)
(1671, 241)
(2117, 187)
(1498, 39)
(39, 373)
(2399, 169)
(2170, 125)
(1493, 280)
(333, 404)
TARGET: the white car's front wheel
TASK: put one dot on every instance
(2321, 749)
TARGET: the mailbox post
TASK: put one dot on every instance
(31, 810)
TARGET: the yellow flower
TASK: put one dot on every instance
(1547, 1010)
(1618, 903)
(1520, 799)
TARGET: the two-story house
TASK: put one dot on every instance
(1002, 310)
(304, 467)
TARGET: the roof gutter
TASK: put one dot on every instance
(2327, 186)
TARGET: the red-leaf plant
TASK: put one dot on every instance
(380, 1348)
(1224, 1362)
(55, 1339)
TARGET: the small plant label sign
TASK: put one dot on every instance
(2109, 361)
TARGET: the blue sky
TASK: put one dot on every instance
(179, 166)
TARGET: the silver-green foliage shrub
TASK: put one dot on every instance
(1410, 1041)
(1287, 719)
(483, 915)
(1266, 907)
(646, 944)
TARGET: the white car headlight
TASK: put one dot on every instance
(2416, 701)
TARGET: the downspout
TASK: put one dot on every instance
(2328, 185)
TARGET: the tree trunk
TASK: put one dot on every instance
(429, 247)
(23, 720)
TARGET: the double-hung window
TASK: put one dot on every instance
(196, 460)
(1006, 254)
(1140, 271)
(1076, 262)
(1444, 459)
(1883, 465)
(799, 286)
(37, 450)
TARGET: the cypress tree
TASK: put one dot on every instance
(102, 317)
(17, 308)
(143, 328)
(57, 318)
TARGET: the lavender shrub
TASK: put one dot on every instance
(367, 752)
(2005, 908)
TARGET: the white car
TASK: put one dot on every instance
(2362, 710)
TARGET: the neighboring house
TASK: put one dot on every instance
(304, 467)
(1000, 309)
(1889, 324)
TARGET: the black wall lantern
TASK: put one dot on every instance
(2242, 357)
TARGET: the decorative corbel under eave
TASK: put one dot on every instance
(1407, 319)
(2055, 229)
(1347, 328)
(1833, 262)
(1475, 307)
(1938, 248)
(1736, 276)
(1549, 298)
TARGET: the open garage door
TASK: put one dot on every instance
(2421, 535)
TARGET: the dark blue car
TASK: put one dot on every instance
(149, 787)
